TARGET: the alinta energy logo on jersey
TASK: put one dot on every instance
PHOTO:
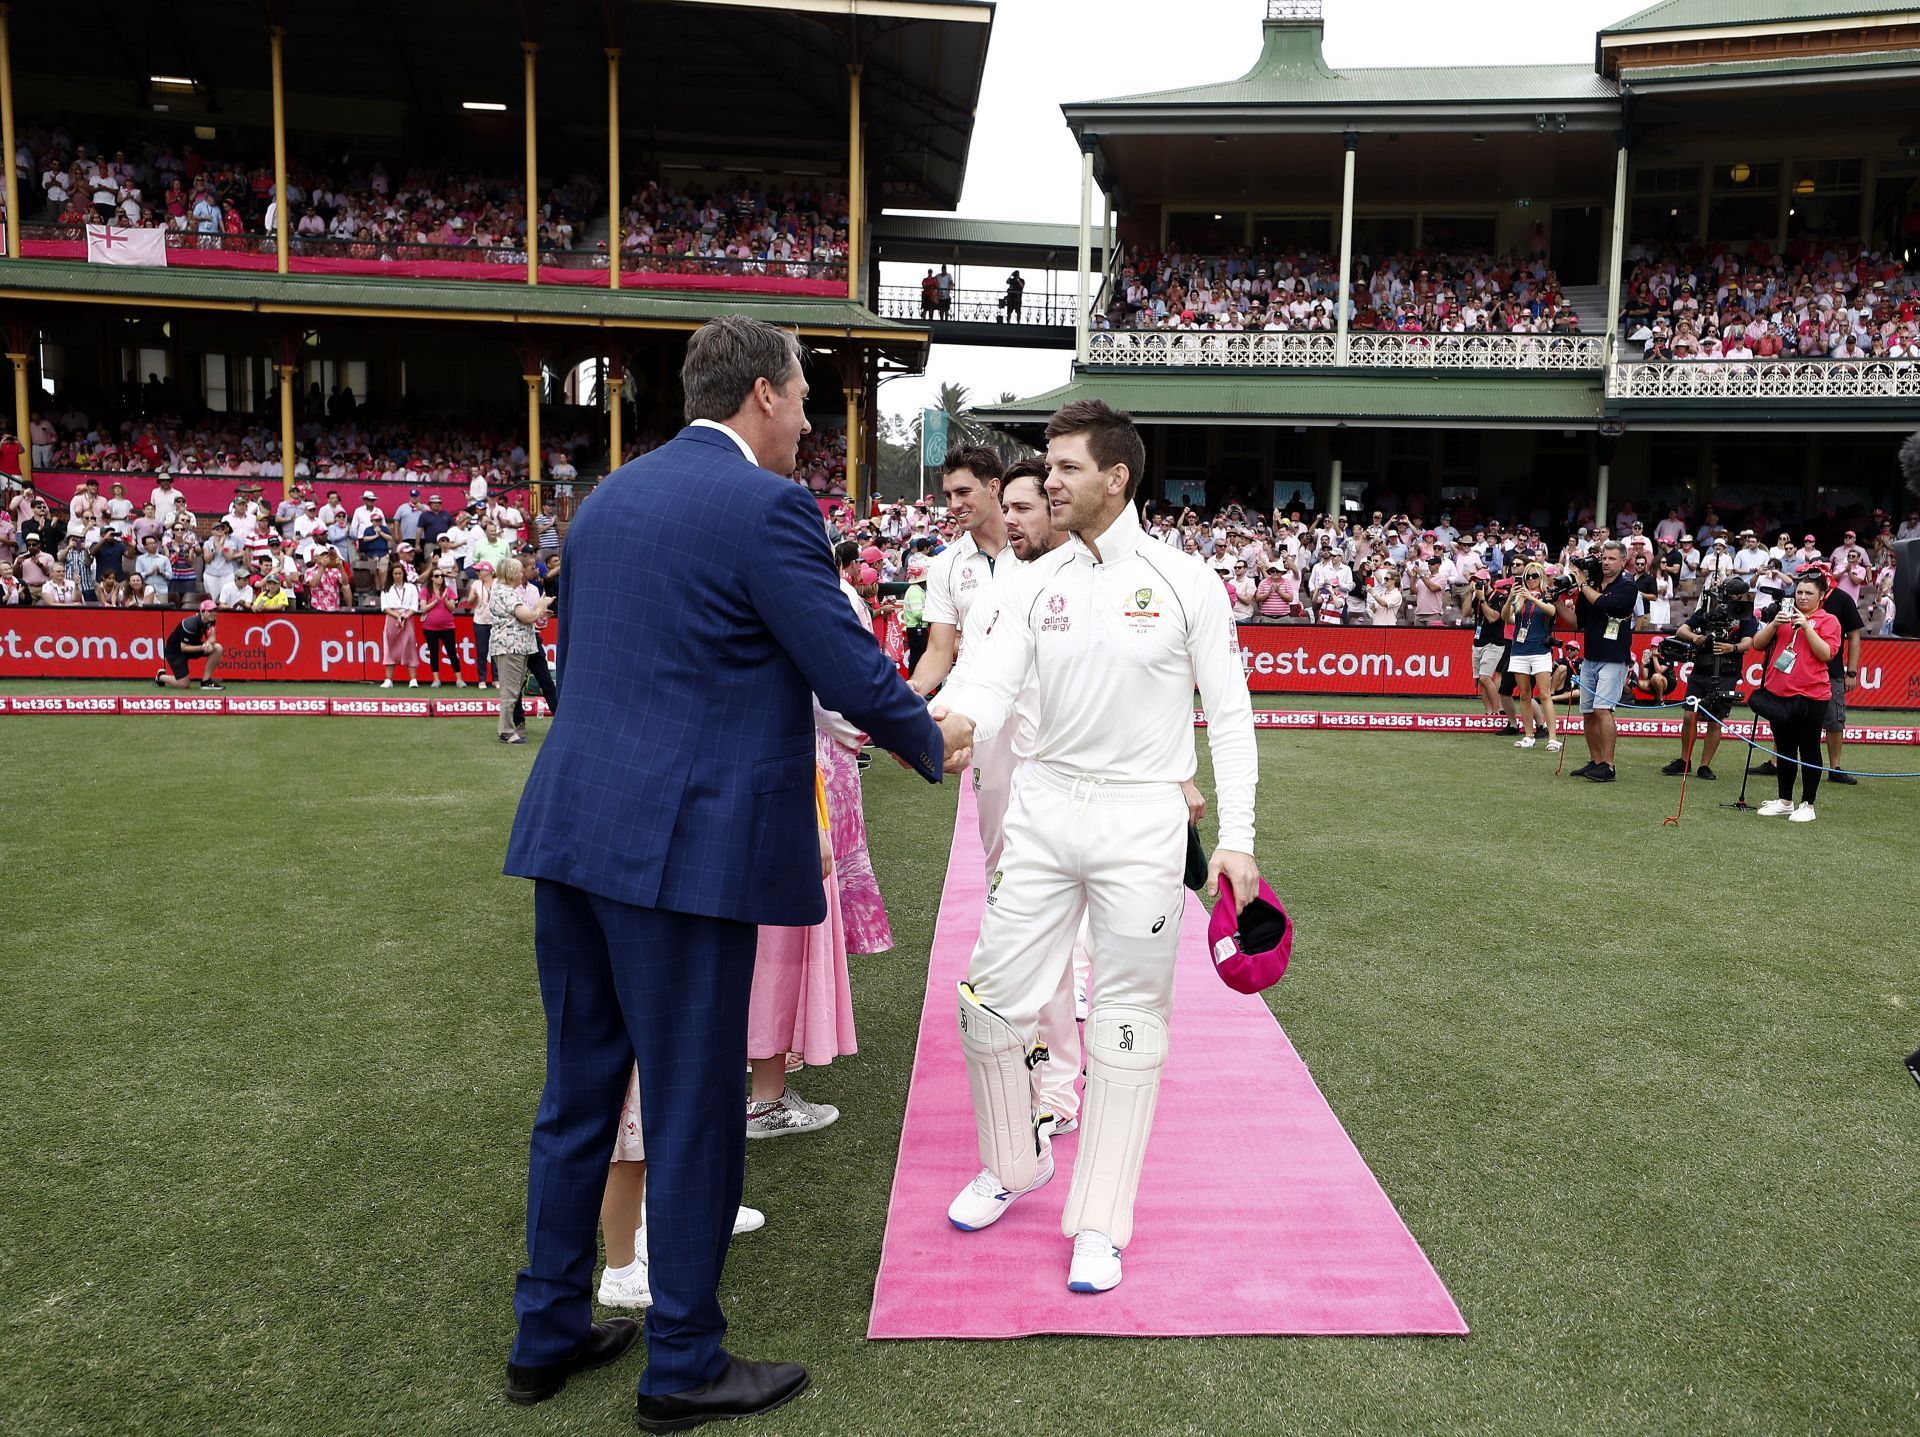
(1056, 619)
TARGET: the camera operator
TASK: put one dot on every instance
(1601, 606)
(1800, 640)
(1488, 613)
(1722, 633)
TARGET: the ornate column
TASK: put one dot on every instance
(275, 35)
(533, 164)
(856, 184)
(1086, 246)
(613, 173)
(1344, 301)
(1616, 254)
(7, 139)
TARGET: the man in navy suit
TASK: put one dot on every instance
(670, 811)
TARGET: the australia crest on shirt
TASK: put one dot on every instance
(1142, 615)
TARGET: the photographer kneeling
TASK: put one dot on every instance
(1721, 628)
(1601, 605)
(1805, 637)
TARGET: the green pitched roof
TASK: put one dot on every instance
(1163, 398)
(1705, 14)
(508, 303)
(1291, 71)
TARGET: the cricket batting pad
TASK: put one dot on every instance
(1126, 1049)
(998, 1064)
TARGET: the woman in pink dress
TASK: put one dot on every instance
(801, 1002)
(836, 749)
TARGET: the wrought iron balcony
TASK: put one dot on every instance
(976, 306)
(1766, 379)
(1316, 349)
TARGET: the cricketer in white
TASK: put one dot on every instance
(1116, 631)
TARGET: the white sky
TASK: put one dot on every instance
(1023, 165)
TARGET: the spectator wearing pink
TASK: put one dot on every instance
(801, 1002)
(1429, 589)
(1798, 648)
(437, 600)
(480, 605)
(326, 580)
(400, 604)
(1278, 593)
(1384, 598)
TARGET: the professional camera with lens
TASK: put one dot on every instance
(1717, 621)
(1581, 571)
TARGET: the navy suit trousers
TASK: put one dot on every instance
(669, 990)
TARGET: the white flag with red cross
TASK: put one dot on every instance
(110, 244)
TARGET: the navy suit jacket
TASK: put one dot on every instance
(698, 607)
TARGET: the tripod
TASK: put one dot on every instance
(1740, 804)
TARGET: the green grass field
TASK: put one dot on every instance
(273, 1045)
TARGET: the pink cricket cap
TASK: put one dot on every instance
(1250, 953)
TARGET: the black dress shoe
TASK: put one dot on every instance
(607, 1342)
(1841, 778)
(745, 1389)
(1706, 773)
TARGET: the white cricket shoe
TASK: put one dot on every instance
(1775, 807)
(1096, 1263)
(983, 1201)
(1802, 814)
(748, 1219)
(629, 1291)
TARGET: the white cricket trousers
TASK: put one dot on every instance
(1055, 1082)
(1114, 851)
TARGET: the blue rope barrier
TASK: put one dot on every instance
(1694, 704)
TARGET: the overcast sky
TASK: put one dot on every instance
(1046, 52)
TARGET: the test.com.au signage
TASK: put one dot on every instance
(131, 644)
(1400, 661)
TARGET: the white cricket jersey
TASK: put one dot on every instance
(958, 575)
(973, 629)
(1116, 647)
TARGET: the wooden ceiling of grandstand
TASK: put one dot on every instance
(706, 84)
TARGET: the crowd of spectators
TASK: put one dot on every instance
(334, 441)
(749, 228)
(136, 544)
(1826, 299)
(1396, 569)
(225, 196)
(1404, 294)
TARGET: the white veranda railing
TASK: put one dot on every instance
(1766, 379)
(1260, 349)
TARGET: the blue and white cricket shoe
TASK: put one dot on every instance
(1096, 1263)
(983, 1201)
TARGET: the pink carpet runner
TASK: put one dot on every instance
(1256, 1214)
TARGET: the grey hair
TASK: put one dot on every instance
(1616, 546)
(509, 572)
(725, 357)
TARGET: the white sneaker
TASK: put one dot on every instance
(1775, 807)
(1554, 745)
(983, 1201)
(386, 683)
(459, 683)
(1096, 1263)
(1526, 742)
(629, 1291)
(413, 683)
(1802, 814)
(436, 682)
(788, 1113)
(748, 1219)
